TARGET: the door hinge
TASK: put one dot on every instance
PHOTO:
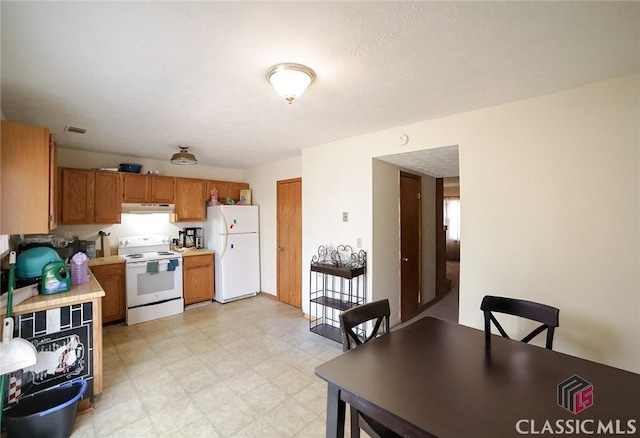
(419, 195)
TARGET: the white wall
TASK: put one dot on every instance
(577, 248)
(386, 244)
(428, 192)
(262, 180)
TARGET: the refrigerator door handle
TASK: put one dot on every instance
(225, 235)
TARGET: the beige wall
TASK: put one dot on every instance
(386, 244)
(385, 250)
(577, 249)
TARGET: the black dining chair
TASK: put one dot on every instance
(542, 313)
(378, 313)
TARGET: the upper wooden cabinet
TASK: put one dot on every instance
(226, 189)
(163, 189)
(108, 195)
(148, 188)
(77, 187)
(90, 197)
(96, 197)
(190, 204)
(221, 186)
(135, 187)
(27, 159)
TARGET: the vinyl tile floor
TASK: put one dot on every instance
(242, 369)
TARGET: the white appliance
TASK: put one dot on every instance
(153, 278)
(232, 231)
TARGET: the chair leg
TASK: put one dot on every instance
(355, 424)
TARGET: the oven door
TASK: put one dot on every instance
(145, 288)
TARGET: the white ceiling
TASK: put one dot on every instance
(145, 77)
(439, 162)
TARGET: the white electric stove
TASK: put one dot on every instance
(153, 278)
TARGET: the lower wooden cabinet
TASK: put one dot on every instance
(111, 278)
(197, 278)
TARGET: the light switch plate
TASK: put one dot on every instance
(345, 216)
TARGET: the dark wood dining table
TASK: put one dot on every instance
(437, 378)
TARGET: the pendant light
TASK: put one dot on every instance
(184, 156)
(290, 80)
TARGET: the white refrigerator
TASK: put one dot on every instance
(232, 231)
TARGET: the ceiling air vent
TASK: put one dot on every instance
(74, 129)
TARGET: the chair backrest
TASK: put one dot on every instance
(542, 313)
(350, 319)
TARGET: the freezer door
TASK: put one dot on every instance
(238, 268)
(239, 219)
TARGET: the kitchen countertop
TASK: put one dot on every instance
(195, 252)
(106, 260)
(80, 293)
(117, 259)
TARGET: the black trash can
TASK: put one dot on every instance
(50, 413)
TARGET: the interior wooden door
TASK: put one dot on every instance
(410, 245)
(289, 238)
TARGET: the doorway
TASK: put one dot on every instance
(289, 241)
(430, 165)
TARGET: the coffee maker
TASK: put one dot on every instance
(192, 236)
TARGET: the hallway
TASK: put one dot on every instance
(447, 307)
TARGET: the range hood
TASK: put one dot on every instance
(147, 208)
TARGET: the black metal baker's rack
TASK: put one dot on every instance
(338, 282)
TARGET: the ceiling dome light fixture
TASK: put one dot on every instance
(184, 156)
(290, 80)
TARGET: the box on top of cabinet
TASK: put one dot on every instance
(245, 197)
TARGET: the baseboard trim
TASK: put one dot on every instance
(270, 296)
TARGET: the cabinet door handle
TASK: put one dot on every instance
(280, 248)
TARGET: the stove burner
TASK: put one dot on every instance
(164, 253)
(135, 256)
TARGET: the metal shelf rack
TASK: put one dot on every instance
(338, 282)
